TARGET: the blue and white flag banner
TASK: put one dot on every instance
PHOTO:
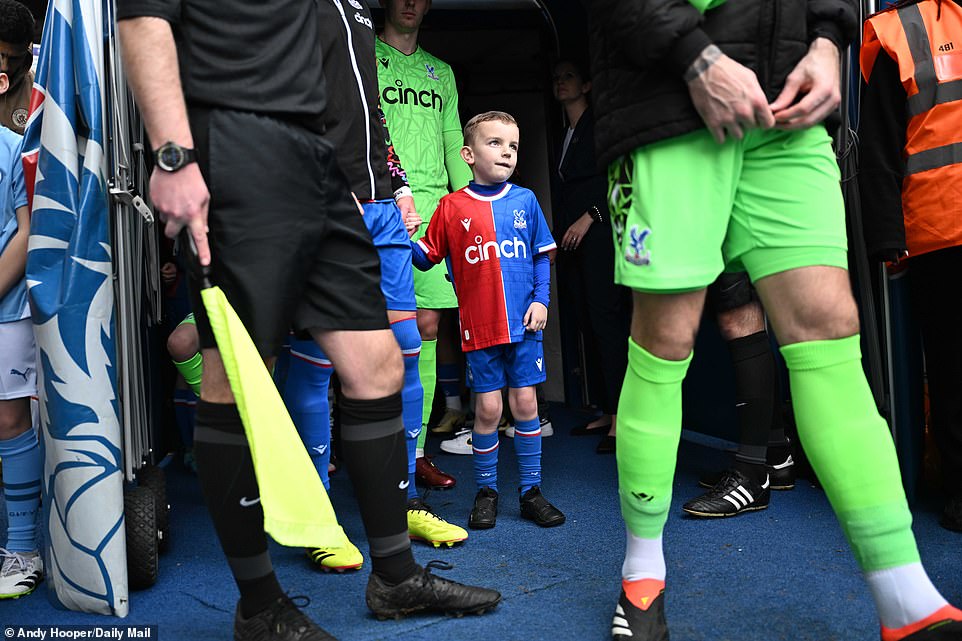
(71, 295)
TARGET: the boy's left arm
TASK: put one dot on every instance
(542, 244)
(536, 317)
(13, 261)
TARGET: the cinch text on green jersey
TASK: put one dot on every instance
(408, 96)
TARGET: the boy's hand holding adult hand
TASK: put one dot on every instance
(812, 90)
(181, 198)
(727, 95)
(536, 317)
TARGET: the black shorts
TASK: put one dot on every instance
(730, 291)
(288, 245)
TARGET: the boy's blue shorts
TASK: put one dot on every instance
(383, 220)
(518, 364)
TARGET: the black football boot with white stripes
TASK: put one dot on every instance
(733, 494)
(631, 623)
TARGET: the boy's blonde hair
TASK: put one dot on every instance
(471, 129)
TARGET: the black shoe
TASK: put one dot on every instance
(484, 514)
(535, 507)
(584, 430)
(423, 592)
(606, 445)
(631, 623)
(282, 621)
(733, 494)
(781, 475)
(941, 631)
(952, 515)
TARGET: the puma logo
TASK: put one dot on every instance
(246, 502)
(22, 374)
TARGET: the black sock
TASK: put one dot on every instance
(755, 396)
(226, 474)
(778, 435)
(372, 437)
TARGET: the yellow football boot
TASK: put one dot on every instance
(425, 525)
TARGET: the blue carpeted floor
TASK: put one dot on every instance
(783, 573)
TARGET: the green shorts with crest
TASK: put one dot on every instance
(686, 209)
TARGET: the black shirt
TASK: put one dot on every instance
(261, 57)
(354, 118)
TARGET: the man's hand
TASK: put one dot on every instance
(181, 199)
(811, 91)
(536, 317)
(727, 95)
(576, 233)
(168, 273)
(412, 221)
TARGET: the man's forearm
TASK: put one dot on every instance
(150, 60)
(705, 59)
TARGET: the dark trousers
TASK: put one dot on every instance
(934, 285)
(602, 310)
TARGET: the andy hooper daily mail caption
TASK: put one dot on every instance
(58, 632)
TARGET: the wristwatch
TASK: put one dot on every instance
(171, 156)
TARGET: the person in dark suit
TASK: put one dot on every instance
(585, 263)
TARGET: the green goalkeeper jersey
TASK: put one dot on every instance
(420, 102)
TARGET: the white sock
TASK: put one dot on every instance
(419, 452)
(903, 595)
(644, 559)
(453, 403)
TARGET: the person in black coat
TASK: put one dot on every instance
(585, 263)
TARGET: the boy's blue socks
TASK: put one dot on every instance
(485, 455)
(412, 394)
(22, 468)
(185, 404)
(448, 379)
(527, 447)
(305, 394)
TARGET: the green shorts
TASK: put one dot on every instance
(685, 209)
(432, 289)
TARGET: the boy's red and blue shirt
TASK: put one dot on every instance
(490, 238)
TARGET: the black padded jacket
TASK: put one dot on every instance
(641, 48)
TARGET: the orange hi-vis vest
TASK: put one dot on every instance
(925, 40)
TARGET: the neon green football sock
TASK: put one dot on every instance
(428, 370)
(851, 450)
(191, 370)
(649, 428)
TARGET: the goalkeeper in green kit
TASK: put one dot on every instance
(419, 98)
(709, 117)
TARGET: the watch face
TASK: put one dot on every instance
(170, 157)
